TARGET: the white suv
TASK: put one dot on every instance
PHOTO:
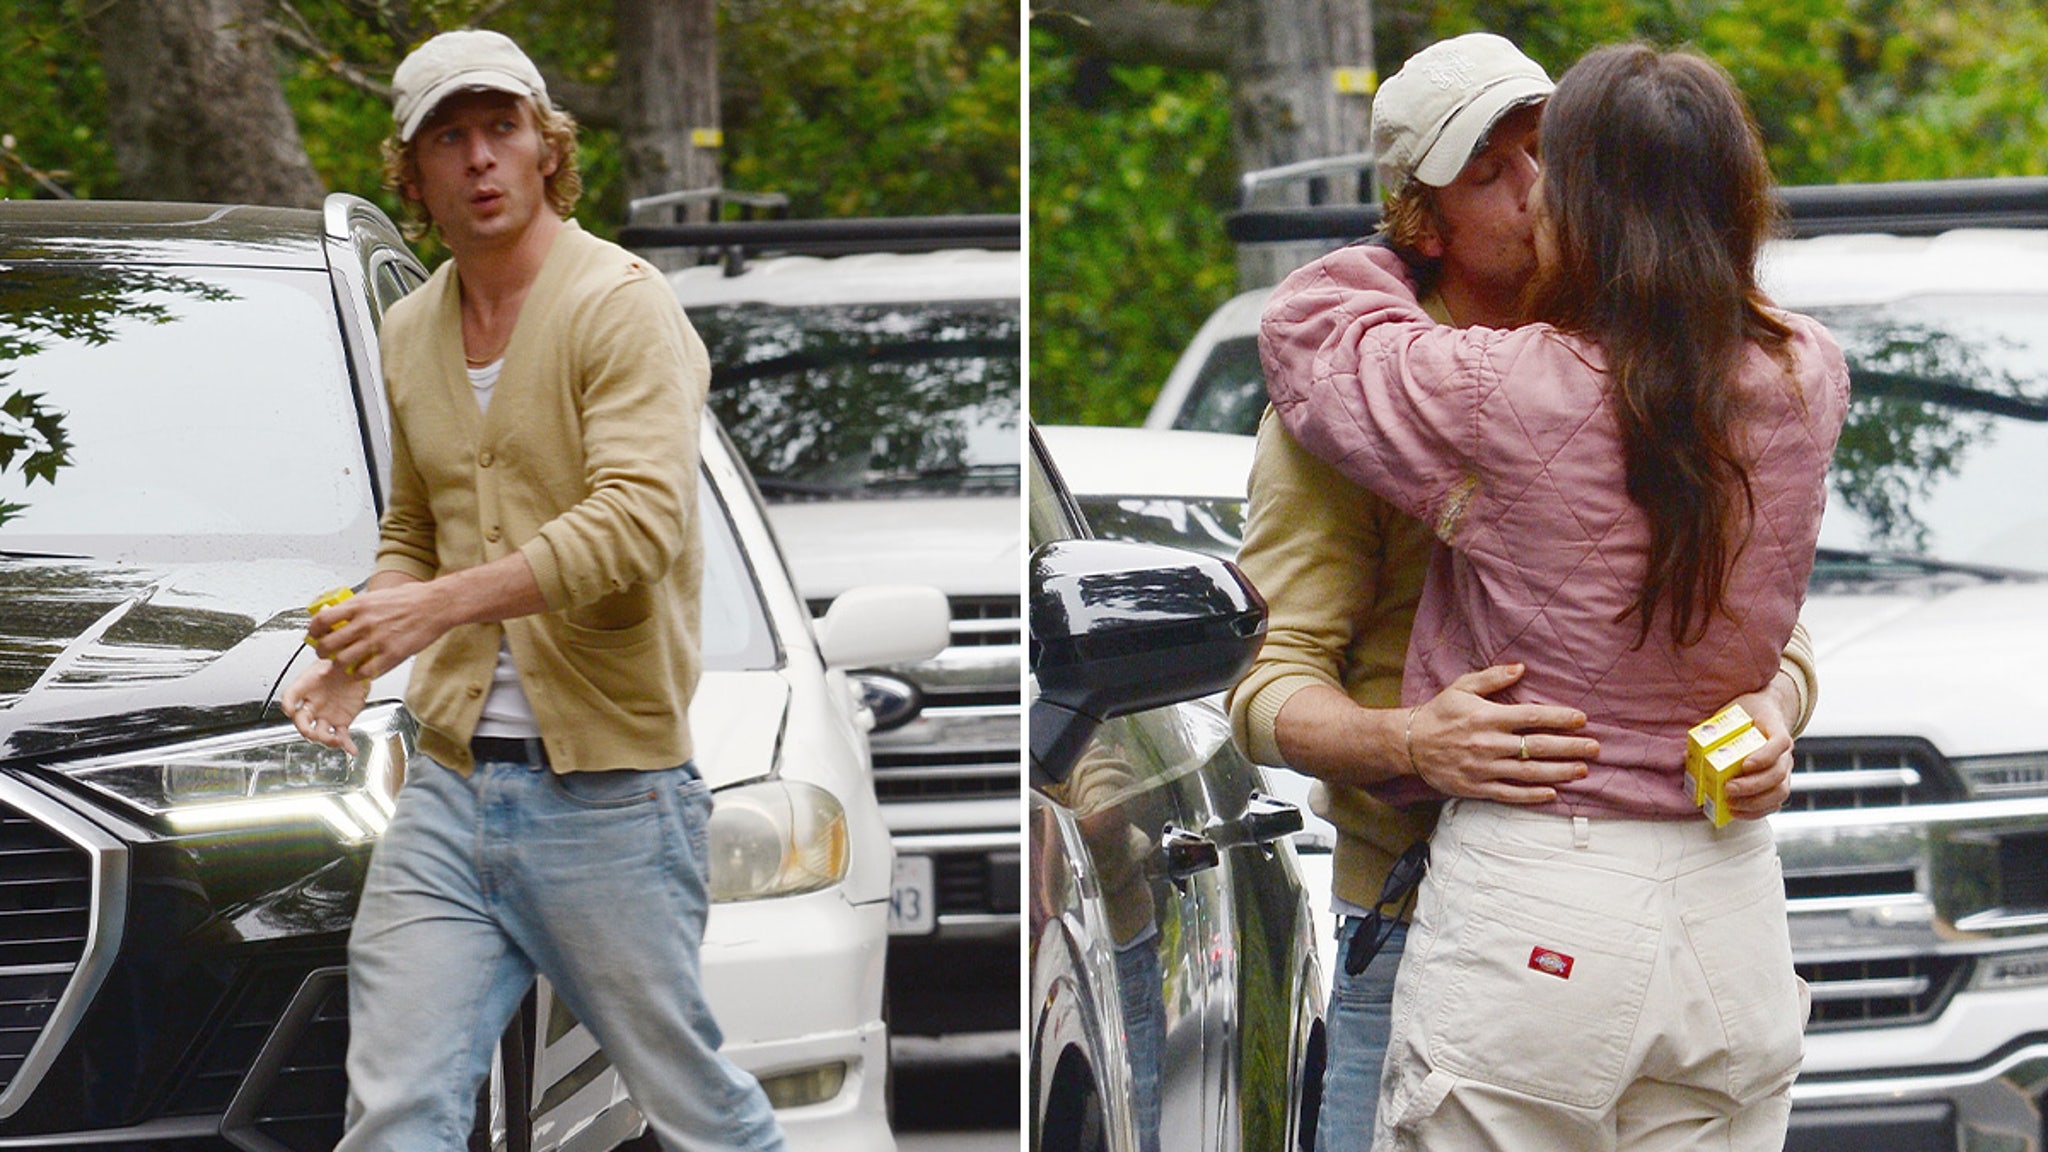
(1915, 845)
(869, 372)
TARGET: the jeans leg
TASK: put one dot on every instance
(1139, 988)
(433, 980)
(1360, 1018)
(610, 902)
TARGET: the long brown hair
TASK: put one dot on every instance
(1658, 199)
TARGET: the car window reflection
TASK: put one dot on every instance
(96, 364)
(1947, 427)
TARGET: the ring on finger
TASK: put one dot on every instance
(1522, 748)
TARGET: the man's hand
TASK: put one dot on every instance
(1463, 744)
(323, 701)
(1765, 782)
(378, 629)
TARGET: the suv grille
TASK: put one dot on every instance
(976, 882)
(978, 621)
(1836, 773)
(966, 743)
(983, 620)
(45, 918)
(1861, 993)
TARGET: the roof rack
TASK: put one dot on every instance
(1351, 172)
(1336, 199)
(1917, 207)
(1903, 208)
(734, 242)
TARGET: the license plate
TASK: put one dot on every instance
(911, 896)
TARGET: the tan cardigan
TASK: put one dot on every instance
(1341, 571)
(586, 462)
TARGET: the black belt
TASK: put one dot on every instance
(516, 749)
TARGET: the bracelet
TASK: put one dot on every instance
(1408, 738)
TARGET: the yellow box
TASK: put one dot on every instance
(1722, 765)
(1714, 751)
(328, 600)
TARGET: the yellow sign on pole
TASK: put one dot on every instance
(1355, 81)
(707, 138)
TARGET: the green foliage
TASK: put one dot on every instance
(1843, 90)
(1131, 174)
(52, 99)
(873, 107)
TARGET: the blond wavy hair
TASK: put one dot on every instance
(1413, 213)
(563, 188)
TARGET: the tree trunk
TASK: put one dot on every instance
(195, 104)
(1301, 78)
(668, 94)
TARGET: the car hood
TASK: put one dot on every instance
(736, 724)
(98, 655)
(1959, 666)
(964, 546)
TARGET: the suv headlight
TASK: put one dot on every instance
(265, 776)
(775, 839)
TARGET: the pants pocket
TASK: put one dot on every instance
(1745, 957)
(1541, 997)
(621, 788)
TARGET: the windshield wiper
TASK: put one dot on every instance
(780, 487)
(956, 474)
(1894, 565)
(1927, 389)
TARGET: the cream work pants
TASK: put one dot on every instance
(1575, 985)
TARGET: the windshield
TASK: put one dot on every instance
(177, 414)
(1229, 390)
(733, 633)
(869, 401)
(1940, 463)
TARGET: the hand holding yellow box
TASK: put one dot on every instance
(1714, 752)
(327, 600)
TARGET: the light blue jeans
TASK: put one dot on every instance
(593, 880)
(1139, 987)
(1360, 1020)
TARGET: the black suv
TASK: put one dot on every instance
(190, 445)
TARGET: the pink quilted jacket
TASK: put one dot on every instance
(1505, 441)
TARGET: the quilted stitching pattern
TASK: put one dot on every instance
(1506, 442)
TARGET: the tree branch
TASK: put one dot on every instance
(299, 34)
(1145, 31)
(592, 104)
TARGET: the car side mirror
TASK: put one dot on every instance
(1119, 627)
(877, 624)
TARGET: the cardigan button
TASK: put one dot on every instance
(484, 458)
(492, 535)
(474, 691)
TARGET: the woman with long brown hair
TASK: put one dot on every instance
(1631, 488)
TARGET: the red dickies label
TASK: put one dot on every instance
(1551, 962)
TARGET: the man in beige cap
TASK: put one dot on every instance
(1454, 134)
(540, 557)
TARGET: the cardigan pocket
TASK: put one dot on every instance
(579, 636)
(612, 621)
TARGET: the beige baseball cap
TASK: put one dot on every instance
(457, 62)
(1431, 116)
